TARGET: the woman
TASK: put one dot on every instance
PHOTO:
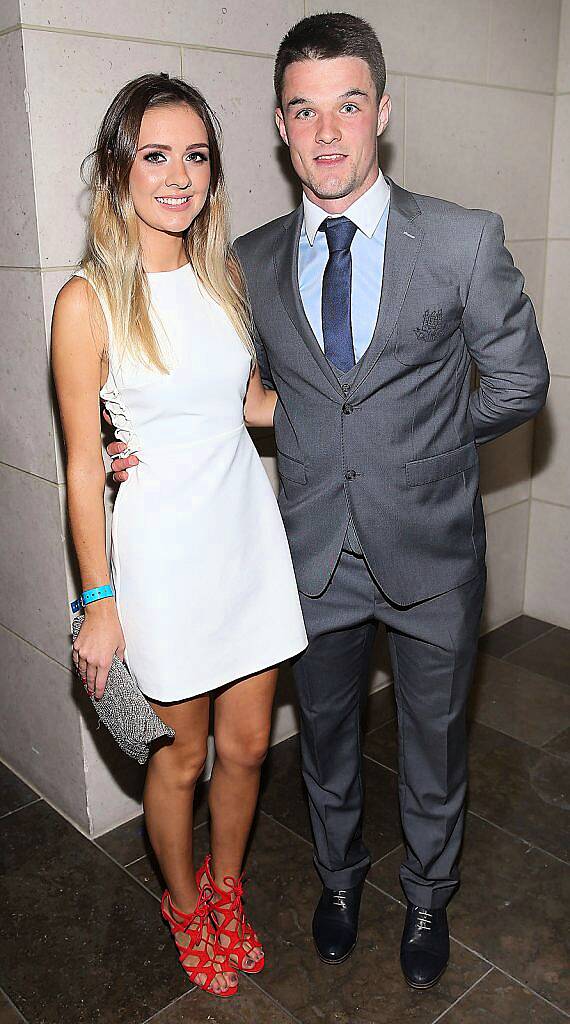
(156, 323)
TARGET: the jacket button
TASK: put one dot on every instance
(350, 474)
(347, 408)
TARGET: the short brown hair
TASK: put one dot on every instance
(324, 36)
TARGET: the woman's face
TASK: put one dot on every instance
(170, 176)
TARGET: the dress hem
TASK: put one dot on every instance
(234, 678)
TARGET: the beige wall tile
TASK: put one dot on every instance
(39, 726)
(505, 469)
(72, 80)
(114, 781)
(551, 469)
(559, 219)
(529, 257)
(18, 233)
(256, 25)
(26, 426)
(481, 147)
(33, 598)
(428, 38)
(548, 569)
(523, 43)
(256, 162)
(556, 315)
(9, 14)
(563, 82)
(392, 141)
(506, 556)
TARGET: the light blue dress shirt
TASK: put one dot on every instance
(370, 214)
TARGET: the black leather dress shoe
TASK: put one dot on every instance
(424, 952)
(335, 923)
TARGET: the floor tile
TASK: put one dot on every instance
(129, 842)
(13, 792)
(521, 788)
(368, 989)
(380, 708)
(8, 1012)
(498, 1000)
(560, 744)
(505, 639)
(147, 871)
(250, 1006)
(549, 655)
(283, 798)
(518, 702)
(283, 794)
(382, 745)
(76, 962)
(511, 907)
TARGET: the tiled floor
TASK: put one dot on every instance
(82, 941)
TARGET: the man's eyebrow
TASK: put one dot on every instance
(300, 101)
(353, 92)
(160, 145)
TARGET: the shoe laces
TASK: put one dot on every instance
(339, 898)
(425, 918)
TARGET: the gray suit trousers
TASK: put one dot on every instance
(433, 647)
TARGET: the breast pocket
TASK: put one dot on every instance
(426, 327)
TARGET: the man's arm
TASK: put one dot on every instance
(500, 331)
(262, 360)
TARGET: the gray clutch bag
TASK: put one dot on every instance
(125, 712)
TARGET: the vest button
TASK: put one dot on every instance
(350, 474)
(347, 408)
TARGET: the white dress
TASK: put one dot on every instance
(204, 582)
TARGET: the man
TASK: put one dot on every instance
(370, 304)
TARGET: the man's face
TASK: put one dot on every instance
(330, 119)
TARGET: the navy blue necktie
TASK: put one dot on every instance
(335, 303)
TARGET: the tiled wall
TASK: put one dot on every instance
(548, 566)
(473, 86)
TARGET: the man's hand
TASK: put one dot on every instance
(120, 467)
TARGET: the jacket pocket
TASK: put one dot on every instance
(439, 467)
(291, 468)
(424, 333)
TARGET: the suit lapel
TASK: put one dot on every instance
(285, 259)
(404, 237)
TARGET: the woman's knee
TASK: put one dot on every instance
(246, 750)
(183, 763)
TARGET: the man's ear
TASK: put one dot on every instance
(384, 111)
(280, 122)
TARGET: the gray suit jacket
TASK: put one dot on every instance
(398, 448)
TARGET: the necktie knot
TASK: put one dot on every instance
(340, 232)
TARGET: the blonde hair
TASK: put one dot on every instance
(113, 259)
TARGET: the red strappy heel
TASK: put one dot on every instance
(212, 960)
(228, 905)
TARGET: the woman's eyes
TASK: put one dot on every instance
(156, 157)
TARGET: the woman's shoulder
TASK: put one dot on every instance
(76, 295)
(77, 304)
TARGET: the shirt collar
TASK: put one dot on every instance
(366, 212)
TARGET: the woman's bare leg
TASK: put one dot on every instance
(241, 732)
(171, 778)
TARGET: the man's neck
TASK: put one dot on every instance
(341, 205)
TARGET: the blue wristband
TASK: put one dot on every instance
(88, 596)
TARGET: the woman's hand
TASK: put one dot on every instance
(99, 638)
(260, 402)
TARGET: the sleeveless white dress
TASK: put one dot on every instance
(204, 582)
